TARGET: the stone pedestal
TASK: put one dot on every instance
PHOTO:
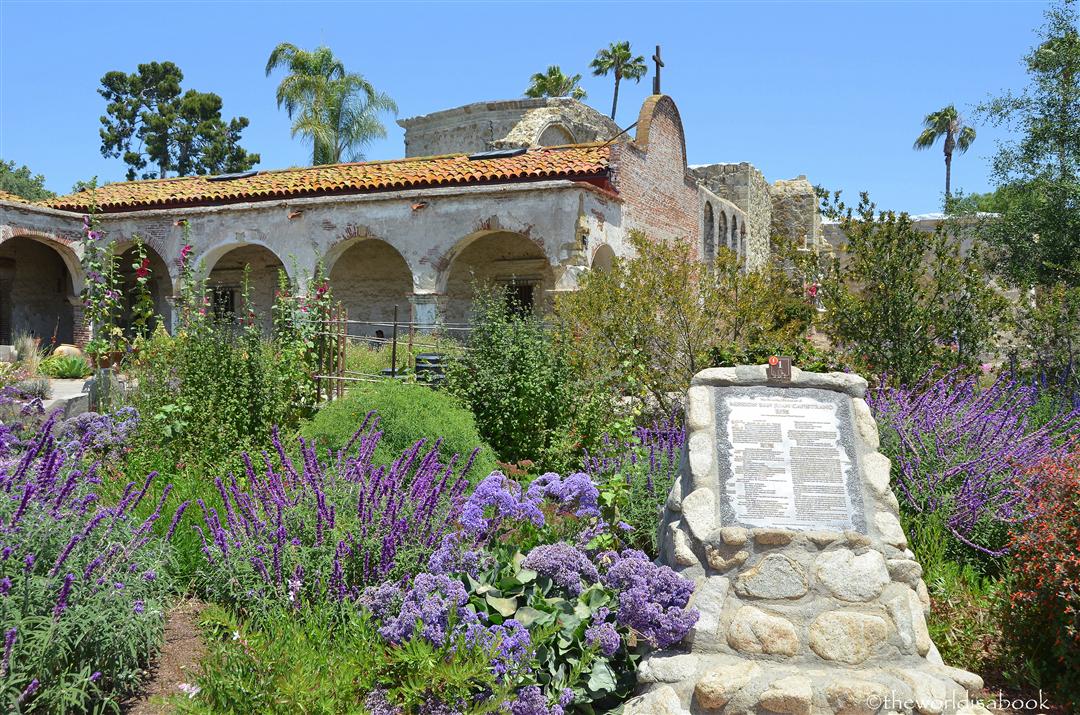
(795, 619)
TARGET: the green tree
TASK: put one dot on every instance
(554, 83)
(946, 123)
(337, 110)
(21, 182)
(1036, 237)
(617, 59)
(901, 301)
(647, 325)
(148, 122)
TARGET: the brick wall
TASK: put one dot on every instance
(660, 197)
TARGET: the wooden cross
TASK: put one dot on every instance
(656, 78)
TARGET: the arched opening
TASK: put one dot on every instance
(555, 135)
(733, 241)
(370, 278)
(508, 260)
(742, 239)
(708, 237)
(604, 258)
(226, 282)
(37, 293)
(160, 284)
(723, 232)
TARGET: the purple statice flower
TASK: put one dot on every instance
(531, 701)
(655, 449)
(652, 598)
(138, 607)
(427, 608)
(566, 565)
(601, 634)
(575, 494)
(509, 643)
(377, 703)
(495, 499)
(5, 585)
(959, 450)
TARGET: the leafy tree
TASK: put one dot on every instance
(617, 59)
(337, 110)
(21, 182)
(148, 122)
(1038, 236)
(647, 325)
(901, 301)
(554, 83)
(946, 123)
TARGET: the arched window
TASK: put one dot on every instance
(708, 237)
(723, 232)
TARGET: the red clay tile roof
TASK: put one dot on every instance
(5, 196)
(583, 161)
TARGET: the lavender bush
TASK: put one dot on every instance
(326, 528)
(960, 450)
(635, 476)
(82, 583)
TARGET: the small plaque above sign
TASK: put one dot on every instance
(790, 463)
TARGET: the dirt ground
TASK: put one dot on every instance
(177, 664)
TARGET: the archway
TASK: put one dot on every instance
(37, 292)
(733, 240)
(369, 278)
(742, 239)
(504, 259)
(709, 238)
(160, 284)
(226, 280)
(603, 259)
(555, 135)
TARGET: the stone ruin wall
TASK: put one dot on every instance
(484, 126)
(743, 185)
(796, 622)
(795, 213)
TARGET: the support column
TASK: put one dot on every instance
(81, 332)
(426, 313)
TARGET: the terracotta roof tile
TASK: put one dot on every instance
(5, 196)
(583, 161)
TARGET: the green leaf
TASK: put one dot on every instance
(505, 606)
(601, 679)
(527, 616)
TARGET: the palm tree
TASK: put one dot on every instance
(554, 83)
(337, 110)
(617, 58)
(946, 123)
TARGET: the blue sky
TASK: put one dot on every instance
(832, 90)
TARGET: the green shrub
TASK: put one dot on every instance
(407, 413)
(517, 378)
(212, 392)
(65, 366)
(38, 387)
(327, 659)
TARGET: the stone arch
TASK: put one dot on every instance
(225, 275)
(733, 240)
(501, 258)
(708, 251)
(722, 232)
(603, 258)
(555, 134)
(161, 281)
(369, 277)
(40, 281)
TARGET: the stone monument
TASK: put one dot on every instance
(810, 601)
